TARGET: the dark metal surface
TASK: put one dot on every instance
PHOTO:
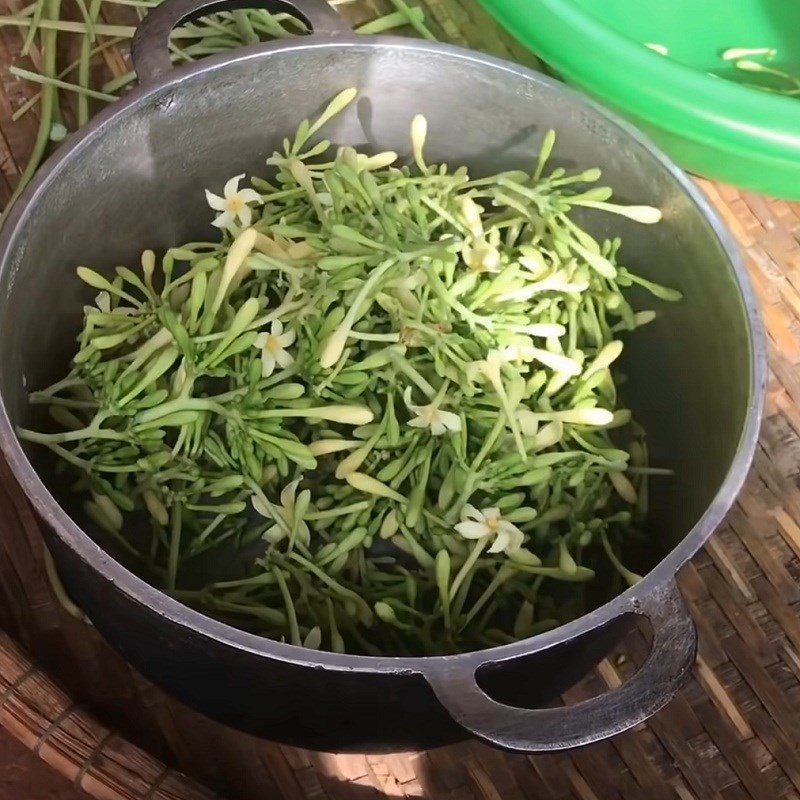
(134, 178)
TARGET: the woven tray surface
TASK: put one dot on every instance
(732, 734)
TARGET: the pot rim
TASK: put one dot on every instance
(138, 590)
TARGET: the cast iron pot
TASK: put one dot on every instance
(135, 177)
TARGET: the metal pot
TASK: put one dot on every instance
(134, 178)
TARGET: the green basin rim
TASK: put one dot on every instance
(656, 89)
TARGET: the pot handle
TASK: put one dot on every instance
(550, 729)
(150, 46)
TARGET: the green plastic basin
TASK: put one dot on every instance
(710, 124)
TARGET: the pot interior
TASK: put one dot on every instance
(137, 180)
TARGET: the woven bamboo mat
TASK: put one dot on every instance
(732, 734)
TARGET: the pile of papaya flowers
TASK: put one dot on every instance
(389, 386)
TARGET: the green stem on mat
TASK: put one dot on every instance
(66, 26)
(133, 3)
(46, 80)
(27, 11)
(34, 99)
(120, 82)
(49, 42)
(87, 19)
(34, 25)
(83, 68)
(67, 603)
